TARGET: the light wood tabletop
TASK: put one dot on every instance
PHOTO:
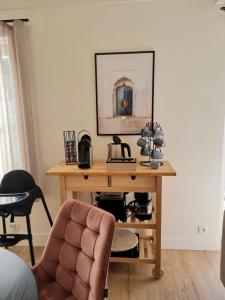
(99, 168)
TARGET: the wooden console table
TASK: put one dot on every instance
(143, 179)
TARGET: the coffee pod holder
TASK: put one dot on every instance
(70, 147)
(151, 142)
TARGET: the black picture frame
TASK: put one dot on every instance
(130, 92)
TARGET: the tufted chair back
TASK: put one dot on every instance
(74, 263)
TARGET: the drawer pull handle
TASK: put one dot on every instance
(133, 177)
(86, 177)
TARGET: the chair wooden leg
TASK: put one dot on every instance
(30, 240)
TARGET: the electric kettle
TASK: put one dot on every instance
(118, 150)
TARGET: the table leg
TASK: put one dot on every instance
(157, 271)
(62, 181)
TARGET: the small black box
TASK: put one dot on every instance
(115, 203)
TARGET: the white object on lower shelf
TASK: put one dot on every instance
(124, 240)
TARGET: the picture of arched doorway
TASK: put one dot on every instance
(123, 97)
(124, 91)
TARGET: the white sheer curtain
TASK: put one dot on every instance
(17, 145)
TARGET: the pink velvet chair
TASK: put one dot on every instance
(75, 261)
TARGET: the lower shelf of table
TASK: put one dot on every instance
(146, 252)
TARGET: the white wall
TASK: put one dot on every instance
(189, 39)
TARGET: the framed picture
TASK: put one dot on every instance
(124, 91)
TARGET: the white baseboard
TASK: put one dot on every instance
(39, 240)
(197, 243)
(178, 243)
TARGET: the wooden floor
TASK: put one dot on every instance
(188, 275)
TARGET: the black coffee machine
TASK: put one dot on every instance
(85, 156)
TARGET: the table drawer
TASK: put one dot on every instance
(133, 181)
(85, 181)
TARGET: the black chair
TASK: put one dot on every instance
(18, 192)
